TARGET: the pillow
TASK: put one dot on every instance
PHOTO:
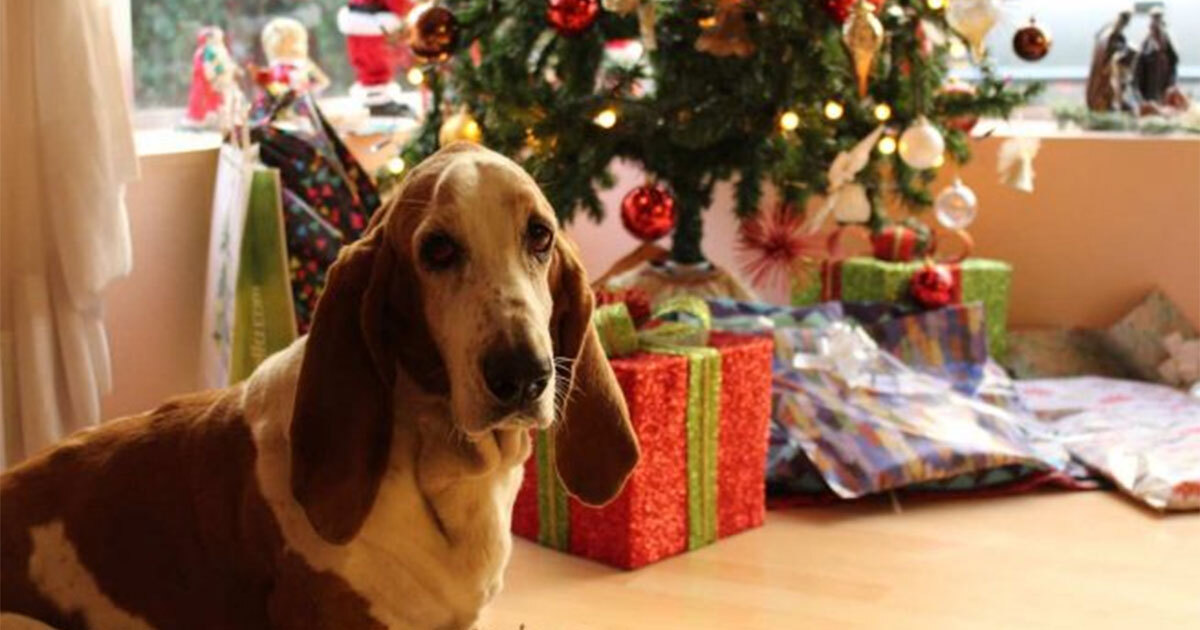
(1140, 339)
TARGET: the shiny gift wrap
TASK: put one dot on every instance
(700, 413)
(872, 424)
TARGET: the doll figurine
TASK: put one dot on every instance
(285, 42)
(373, 44)
(213, 78)
(1157, 62)
(1109, 46)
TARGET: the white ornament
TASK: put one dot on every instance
(1014, 162)
(973, 19)
(851, 204)
(956, 206)
(921, 145)
(842, 172)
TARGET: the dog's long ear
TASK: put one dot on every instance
(342, 419)
(594, 442)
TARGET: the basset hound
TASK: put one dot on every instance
(363, 477)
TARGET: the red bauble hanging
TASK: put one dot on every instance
(932, 286)
(1031, 42)
(434, 34)
(955, 90)
(571, 17)
(648, 212)
(839, 10)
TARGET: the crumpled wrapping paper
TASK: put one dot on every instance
(1144, 437)
(944, 418)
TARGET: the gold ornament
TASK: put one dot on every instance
(863, 35)
(620, 7)
(646, 18)
(459, 126)
(973, 19)
(726, 36)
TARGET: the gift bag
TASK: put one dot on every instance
(329, 199)
(248, 309)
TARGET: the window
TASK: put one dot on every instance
(1073, 24)
(164, 40)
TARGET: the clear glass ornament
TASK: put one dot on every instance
(956, 206)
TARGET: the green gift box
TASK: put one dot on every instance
(864, 279)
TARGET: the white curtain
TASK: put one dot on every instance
(66, 153)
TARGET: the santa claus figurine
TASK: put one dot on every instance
(213, 75)
(372, 29)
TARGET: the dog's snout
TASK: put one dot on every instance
(515, 376)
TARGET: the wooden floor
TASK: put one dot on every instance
(1058, 560)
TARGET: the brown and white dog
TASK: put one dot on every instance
(364, 477)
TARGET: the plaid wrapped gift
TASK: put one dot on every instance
(703, 442)
(868, 424)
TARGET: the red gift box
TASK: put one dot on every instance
(660, 513)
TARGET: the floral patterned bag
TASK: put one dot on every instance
(328, 198)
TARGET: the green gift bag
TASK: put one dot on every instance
(248, 304)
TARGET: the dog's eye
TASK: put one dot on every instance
(539, 237)
(440, 252)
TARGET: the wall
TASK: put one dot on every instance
(1112, 218)
(153, 316)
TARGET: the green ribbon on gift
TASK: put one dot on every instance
(553, 516)
(681, 328)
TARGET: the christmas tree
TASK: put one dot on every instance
(755, 91)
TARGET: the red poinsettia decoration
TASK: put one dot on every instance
(774, 242)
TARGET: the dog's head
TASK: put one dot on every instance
(464, 282)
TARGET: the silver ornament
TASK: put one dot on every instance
(956, 206)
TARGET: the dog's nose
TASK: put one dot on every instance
(515, 376)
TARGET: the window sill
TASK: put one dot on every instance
(157, 135)
(1051, 130)
(156, 142)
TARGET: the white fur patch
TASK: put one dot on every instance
(55, 569)
(400, 562)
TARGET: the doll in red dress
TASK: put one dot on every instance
(213, 76)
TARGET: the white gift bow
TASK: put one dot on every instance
(842, 172)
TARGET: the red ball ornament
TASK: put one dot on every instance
(648, 212)
(932, 286)
(1031, 42)
(959, 90)
(839, 10)
(571, 17)
(434, 34)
